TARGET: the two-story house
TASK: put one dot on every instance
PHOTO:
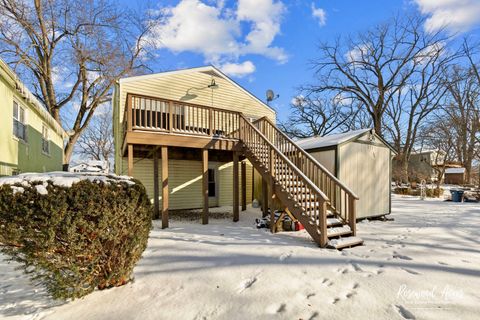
(197, 139)
(30, 138)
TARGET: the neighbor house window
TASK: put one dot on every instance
(19, 127)
(45, 141)
(212, 188)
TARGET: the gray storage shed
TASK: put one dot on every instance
(363, 161)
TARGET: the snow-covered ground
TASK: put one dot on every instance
(423, 265)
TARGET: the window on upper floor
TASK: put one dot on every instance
(45, 140)
(19, 123)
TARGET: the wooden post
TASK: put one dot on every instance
(165, 199)
(129, 113)
(323, 223)
(235, 187)
(352, 215)
(156, 213)
(271, 204)
(244, 185)
(170, 115)
(130, 160)
(205, 185)
(264, 197)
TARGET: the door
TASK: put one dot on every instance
(212, 187)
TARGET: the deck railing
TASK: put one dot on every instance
(169, 116)
(342, 199)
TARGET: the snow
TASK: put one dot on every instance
(423, 265)
(330, 140)
(455, 170)
(59, 178)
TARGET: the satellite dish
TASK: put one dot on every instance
(271, 95)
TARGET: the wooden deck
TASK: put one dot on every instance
(305, 187)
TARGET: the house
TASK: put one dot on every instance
(363, 161)
(425, 165)
(30, 138)
(455, 176)
(90, 166)
(197, 139)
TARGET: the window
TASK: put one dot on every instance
(45, 141)
(212, 188)
(19, 127)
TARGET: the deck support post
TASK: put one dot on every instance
(205, 185)
(271, 198)
(264, 197)
(156, 195)
(235, 187)
(130, 160)
(164, 151)
(244, 185)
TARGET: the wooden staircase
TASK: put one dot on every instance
(324, 206)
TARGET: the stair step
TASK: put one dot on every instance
(344, 242)
(332, 222)
(338, 231)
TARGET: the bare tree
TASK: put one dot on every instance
(96, 141)
(374, 66)
(318, 117)
(414, 100)
(463, 113)
(73, 51)
(437, 134)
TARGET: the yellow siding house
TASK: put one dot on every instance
(30, 139)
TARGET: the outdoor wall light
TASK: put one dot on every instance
(189, 96)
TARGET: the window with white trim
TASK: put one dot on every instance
(45, 140)
(19, 123)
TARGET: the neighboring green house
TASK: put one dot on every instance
(30, 138)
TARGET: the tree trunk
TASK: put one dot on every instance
(69, 150)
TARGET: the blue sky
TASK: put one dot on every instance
(267, 44)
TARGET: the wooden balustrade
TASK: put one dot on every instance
(286, 172)
(342, 199)
(168, 116)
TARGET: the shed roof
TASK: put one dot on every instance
(455, 170)
(331, 140)
(318, 142)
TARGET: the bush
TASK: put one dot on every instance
(75, 239)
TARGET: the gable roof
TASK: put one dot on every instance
(318, 142)
(209, 70)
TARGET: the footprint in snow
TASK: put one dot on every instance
(410, 271)
(285, 256)
(326, 282)
(403, 312)
(442, 263)
(399, 256)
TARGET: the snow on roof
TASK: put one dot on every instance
(455, 170)
(331, 140)
(59, 178)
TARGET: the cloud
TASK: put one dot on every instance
(221, 34)
(238, 70)
(319, 14)
(455, 15)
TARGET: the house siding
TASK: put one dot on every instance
(365, 169)
(17, 155)
(185, 182)
(172, 87)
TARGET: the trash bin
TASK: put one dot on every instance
(457, 195)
